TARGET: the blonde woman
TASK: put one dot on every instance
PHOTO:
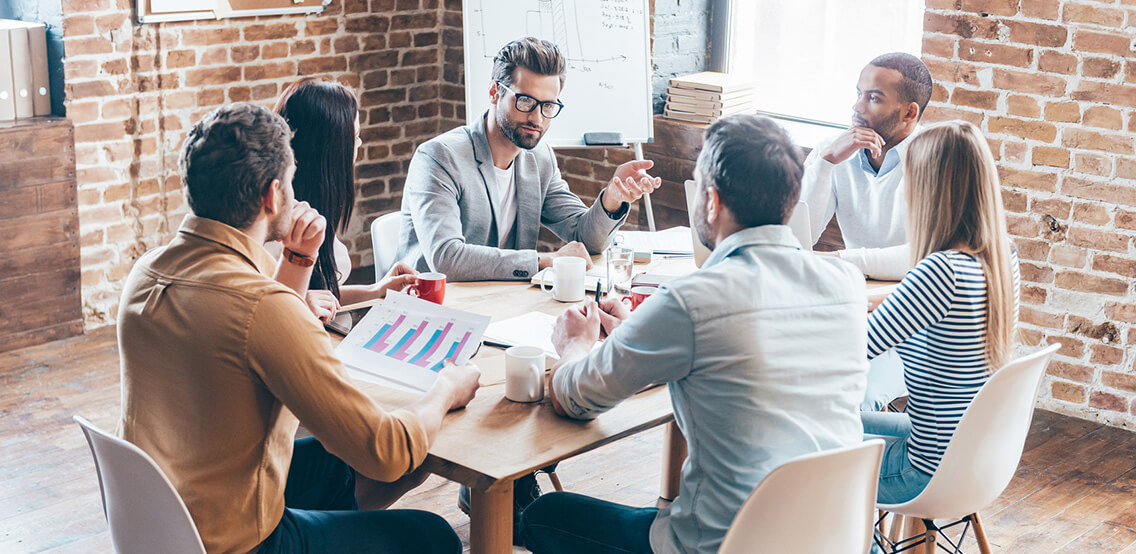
(952, 316)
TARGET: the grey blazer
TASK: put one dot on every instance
(449, 203)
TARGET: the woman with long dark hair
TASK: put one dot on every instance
(324, 117)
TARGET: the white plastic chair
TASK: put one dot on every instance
(981, 458)
(143, 509)
(385, 231)
(836, 487)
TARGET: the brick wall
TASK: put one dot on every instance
(1052, 83)
(133, 91)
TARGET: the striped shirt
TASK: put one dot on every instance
(936, 320)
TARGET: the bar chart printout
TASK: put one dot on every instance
(404, 341)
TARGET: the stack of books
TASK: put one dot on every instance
(704, 97)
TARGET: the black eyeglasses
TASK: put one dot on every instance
(525, 103)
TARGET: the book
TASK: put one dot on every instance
(679, 102)
(691, 95)
(713, 81)
(41, 80)
(706, 110)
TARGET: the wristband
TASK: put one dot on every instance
(301, 260)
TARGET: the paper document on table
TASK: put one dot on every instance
(531, 329)
(673, 241)
(406, 340)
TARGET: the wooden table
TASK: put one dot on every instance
(494, 441)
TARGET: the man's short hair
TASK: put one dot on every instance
(539, 56)
(755, 168)
(230, 158)
(916, 83)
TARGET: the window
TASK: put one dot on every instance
(806, 55)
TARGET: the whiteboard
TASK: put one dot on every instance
(605, 44)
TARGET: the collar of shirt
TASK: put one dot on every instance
(891, 159)
(220, 233)
(762, 235)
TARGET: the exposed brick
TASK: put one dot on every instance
(1067, 112)
(1105, 43)
(1038, 34)
(1048, 155)
(1042, 9)
(1067, 392)
(1100, 240)
(1028, 179)
(1100, 68)
(1031, 83)
(1085, 282)
(1105, 93)
(1052, 61)
(1023, 106)
(995, 53)
(982, 99)
(1036, 273)
(1070, 371)
(1093, 164)
(1106, 355)
(1115, 264)
(1093, 214)
(1108, 401)
(993, 7)
(1103, 116)
(1085, 13)
(1091, 140)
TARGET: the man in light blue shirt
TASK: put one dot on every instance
(858, 176)
(737, 344)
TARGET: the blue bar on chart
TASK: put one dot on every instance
(378, 343)
(423, 356)
(454, 349)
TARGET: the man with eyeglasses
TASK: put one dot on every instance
(476, 197)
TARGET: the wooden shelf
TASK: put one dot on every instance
(39, 220)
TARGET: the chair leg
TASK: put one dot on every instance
(555, 481)
(898, 525)
(931, 539)
(880, 514)
(980, 534)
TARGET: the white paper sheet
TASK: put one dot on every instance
(406, 340)
(674, 241)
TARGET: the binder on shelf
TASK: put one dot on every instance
(21, 64)
(7, 94)
(41, 80)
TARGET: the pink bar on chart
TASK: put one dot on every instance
(461, 345)
(400, 353)
(379, 344)
(424, 359)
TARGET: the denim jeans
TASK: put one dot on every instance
(885, 381)
(569, 523)
(321, 514)
(899, 480)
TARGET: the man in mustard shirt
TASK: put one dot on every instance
(221, 362)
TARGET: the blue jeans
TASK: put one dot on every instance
(885, 381)
(565, 522)
(899, 480)
(321, 514)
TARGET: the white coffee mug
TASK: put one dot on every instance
(524, 374)
(567, 278)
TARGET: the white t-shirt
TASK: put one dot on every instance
(507, 211)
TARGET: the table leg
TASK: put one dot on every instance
(491, 520)
(674, 455)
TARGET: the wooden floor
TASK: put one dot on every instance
(1074, 492)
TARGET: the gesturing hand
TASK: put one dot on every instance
(852, 140)
(629, 183)
(399, 277)
(307, 232)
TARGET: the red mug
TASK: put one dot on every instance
(429, 286)
(638, 295)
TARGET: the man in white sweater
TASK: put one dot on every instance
(858, 176)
